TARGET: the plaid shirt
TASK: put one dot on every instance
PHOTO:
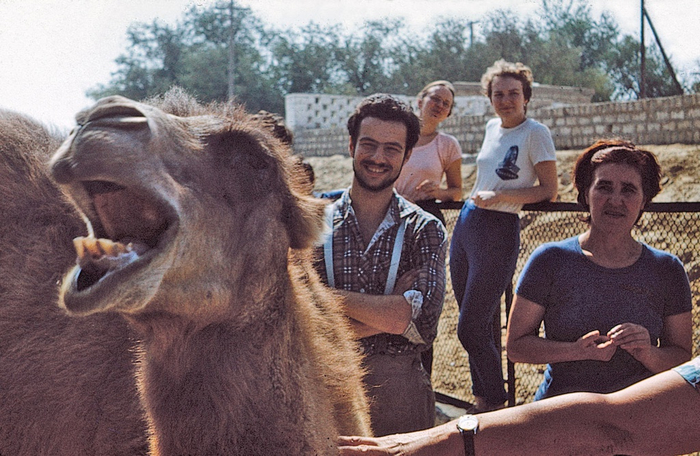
(365, 270)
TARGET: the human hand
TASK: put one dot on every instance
(596, 346)
(411, 444)
(485, 198)
(405, 282)
(428, 189)
(632, 338)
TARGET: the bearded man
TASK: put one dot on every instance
(386, 256)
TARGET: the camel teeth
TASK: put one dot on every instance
(79, 246)
(97, 248)
(92, 247)
(138, 248)
(111, 248)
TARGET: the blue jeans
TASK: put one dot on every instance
(483, 256)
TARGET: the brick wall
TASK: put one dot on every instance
(651, 121)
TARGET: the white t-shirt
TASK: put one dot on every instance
(427, 162)
(508, 157)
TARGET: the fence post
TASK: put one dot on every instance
(510, 379)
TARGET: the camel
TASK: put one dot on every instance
(193, 322)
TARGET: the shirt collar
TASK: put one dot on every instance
(399, 208)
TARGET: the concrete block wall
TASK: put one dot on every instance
(666, 120)
(314, 111)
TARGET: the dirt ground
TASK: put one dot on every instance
(680, 166)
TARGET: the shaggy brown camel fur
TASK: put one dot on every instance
(66, 384)
(191, 217)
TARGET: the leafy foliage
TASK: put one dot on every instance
(223, 48)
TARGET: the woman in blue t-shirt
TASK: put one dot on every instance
(615, 310)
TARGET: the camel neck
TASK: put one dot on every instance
(209, 381)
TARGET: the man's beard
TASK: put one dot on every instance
(389, 182)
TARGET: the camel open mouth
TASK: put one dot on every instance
(126, 225)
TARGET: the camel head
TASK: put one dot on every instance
(189, 209)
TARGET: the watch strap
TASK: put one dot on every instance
(468, 439)
(468, 426)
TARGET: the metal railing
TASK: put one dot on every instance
(673, 227)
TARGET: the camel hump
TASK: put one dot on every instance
(56, 372)
(34, 211)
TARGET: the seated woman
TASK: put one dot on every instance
(615, 310)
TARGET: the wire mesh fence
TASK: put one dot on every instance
(674, 227)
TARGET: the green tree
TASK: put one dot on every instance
(625, 71)
(304, 61)
(365, 60)
(194, 54)
(221, 43)
(572, 24)
(445, 54)
(151, 64)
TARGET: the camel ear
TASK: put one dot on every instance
(304, 215)
(248, 164)
(304, 219)
(245, 169)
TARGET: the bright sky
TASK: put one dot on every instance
(53, 51)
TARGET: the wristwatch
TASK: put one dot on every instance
(468, 425)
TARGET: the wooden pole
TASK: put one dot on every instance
(231, 53)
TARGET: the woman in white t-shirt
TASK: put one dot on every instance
(516, 165)
(435, 155)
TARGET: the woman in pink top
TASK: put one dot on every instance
(435, 155)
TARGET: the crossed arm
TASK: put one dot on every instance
(375, 314)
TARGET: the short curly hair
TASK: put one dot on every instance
(388, 108)
(620, 151)
(517, 71)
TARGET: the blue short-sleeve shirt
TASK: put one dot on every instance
(690, 371)
(580, 296)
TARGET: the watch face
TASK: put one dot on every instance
(468, 423)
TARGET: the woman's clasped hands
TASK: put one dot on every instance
(630, 337)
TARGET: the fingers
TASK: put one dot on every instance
(485, 198)
(348, 446)
(630, 336)
(590, 335)
(594, 338)
(355, 441)
(428, 189)
(426, 184)
(597, 347)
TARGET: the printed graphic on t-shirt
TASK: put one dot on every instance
(507, 169)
